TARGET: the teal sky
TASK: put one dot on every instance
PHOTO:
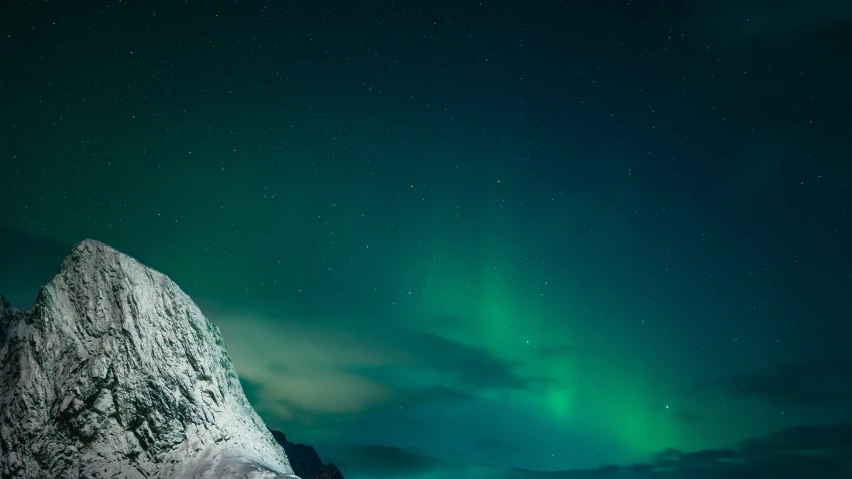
(483, 240)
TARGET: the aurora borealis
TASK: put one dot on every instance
(476, 239)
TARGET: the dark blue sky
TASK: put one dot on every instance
(569, 239)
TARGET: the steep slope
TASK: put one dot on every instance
(305, 460)
(8, 315)
(116, 373)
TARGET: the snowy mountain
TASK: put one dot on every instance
(115, 373)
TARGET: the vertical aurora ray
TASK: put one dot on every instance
(493, 297)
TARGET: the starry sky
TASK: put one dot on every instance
(485, 239)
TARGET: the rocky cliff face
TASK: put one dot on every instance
(116, 373)
(305, 460)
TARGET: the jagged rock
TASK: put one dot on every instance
(305, 460)
(8, 315)
(115, 373)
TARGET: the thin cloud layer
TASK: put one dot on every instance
(813, 452)
(823, 383)
(388, 461)
(288, 367)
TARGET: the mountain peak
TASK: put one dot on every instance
(94, 253)
(116, 371)
(89, 247)
(92, 243)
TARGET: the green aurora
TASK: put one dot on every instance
(479, 249)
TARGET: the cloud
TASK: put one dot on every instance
(295, 370)
(835, 439)
(471, 366)
(826, 383)
(813, 452)
(387, 461)
(411, 396)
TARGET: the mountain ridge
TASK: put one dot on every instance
(305, 460)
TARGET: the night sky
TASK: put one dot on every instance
(476, 239)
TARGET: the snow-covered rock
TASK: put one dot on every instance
(116, 373)
(305, 460)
